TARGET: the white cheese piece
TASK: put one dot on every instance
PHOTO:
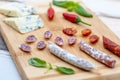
(25, 24)
(17, 9)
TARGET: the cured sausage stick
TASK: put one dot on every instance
(97, 54)
(111, 46)
(70, 58)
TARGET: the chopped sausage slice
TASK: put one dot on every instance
(86, 32)
(69, 31)
(70, 58)
(72, 40)
(47, 35)
(111, 46)
(41, 45)
(31, 38)
(59, 41)
(93, 38)
(25, 48)
(97, 54)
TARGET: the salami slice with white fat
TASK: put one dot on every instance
(41, 45)
(70, 58)
(97, 54)
(59, 41)
(47, 35)
(25, 48)
(72, 40)
(31, 38)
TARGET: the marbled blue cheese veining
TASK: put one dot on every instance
(25, 24)
(17, 9)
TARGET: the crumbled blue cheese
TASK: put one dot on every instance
(17, 9)
(25, 24)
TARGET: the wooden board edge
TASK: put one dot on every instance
(14, 57)
(16, 60)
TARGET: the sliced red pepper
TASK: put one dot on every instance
(86, 32)
(94, 38)
(69, 31)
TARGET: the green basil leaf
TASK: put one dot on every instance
(65, 70)
(36, 62)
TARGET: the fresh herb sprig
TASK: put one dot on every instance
(65, 70)
(36, 62)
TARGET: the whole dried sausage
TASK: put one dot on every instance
(108, 44)
(97, 54)
(117, 50)
(111, 46)
(69, 57)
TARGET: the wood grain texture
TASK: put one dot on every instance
(13, 39)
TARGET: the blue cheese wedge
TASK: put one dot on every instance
(25, 24)
(17, 9)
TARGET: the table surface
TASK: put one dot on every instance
(8, 69)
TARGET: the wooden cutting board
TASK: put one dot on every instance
(13, 39)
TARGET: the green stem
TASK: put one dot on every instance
(78, 19)
(50, 5)
(85, 23)
(49, 66)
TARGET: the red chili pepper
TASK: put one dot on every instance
(51, 12)
(73, 18)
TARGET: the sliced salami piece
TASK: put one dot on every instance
(47, 35)
(31, 38)
(41, 45)
(111, 46)
(25, 48)
(72, 40)
(93, 39)
(59, 41)
(70, 58)
(97, 54)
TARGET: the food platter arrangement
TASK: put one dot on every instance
(69, 44)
